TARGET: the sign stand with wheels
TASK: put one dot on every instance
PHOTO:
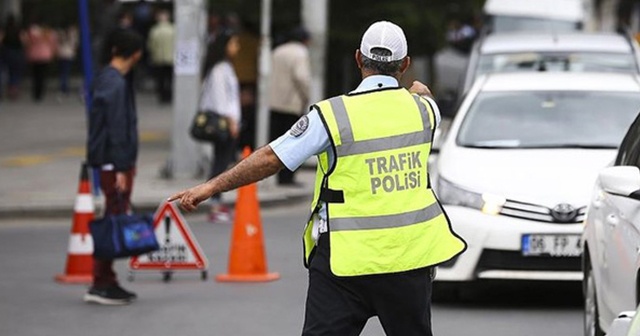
(179, 250)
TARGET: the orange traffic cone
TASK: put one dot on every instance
(80, 253)
(246, 259)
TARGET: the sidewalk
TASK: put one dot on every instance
(42, 146)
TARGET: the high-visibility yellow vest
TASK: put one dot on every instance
(382, 215)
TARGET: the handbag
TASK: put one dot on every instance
(122, 236)
(210, 126)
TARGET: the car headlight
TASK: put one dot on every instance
(449, 193)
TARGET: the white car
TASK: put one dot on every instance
(626, 324)
(611, 239)
(539, 15)
(573, 52)
(516, 170)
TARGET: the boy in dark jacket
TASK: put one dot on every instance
(113, 148)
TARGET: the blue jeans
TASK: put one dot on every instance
(64, 69)
(14, 60)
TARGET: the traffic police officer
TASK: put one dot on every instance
(375, 229)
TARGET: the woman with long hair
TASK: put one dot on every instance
(221, 94)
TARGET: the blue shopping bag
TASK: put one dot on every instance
(122, 236)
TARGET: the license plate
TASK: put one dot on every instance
(554, 245)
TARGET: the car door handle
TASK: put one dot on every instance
(612, 220)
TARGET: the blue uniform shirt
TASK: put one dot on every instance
(294, 150)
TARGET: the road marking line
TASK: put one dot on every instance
(153, 136)
(75, 151)
(72, 151)
(26, 160)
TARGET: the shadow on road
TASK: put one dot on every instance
(508, 295)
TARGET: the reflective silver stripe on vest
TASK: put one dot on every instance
(386, 221)
(424, 114)
(342, 119)
(349, 147)
(375, 145)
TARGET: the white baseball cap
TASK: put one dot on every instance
(385, 35)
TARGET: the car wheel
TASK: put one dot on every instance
(591, 315)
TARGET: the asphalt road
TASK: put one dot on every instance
(32, 304)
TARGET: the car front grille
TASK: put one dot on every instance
(515, 261)
(538, 213)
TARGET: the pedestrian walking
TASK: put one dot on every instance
(161, 46)
(376, 229)
(2, 65)
(246, 66)
(40, 47)
(66, 53)
(13, 56)
(289, 88)
(112, 147)
(221, 94)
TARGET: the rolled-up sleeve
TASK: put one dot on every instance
(435, 108)
(294, 150)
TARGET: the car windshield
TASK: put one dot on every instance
(503, 23)
(554, 119)
(570, 61)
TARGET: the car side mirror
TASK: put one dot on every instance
(621, 180)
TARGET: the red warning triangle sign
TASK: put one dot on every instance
(179, 250)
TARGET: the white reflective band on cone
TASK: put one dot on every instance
(80, 244)
(84, 204)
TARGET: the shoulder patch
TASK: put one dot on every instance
(300, 127)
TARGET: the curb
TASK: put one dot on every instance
(267, 201)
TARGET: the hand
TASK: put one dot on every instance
(420, 89)
(121, 182)
(189, 199)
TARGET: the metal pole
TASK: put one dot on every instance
(262, 129)
(190, 17)
(87, 71)
(315, 17)
(85, 49)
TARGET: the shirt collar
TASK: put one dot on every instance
(376, 82)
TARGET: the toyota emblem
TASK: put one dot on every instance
(564, 213)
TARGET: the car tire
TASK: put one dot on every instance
(591, 315)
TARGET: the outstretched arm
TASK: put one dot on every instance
(259, 165)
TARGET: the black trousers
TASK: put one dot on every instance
(39, 76)
(164, 82)
(341, 306)
(223, 156)
(281, 122)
